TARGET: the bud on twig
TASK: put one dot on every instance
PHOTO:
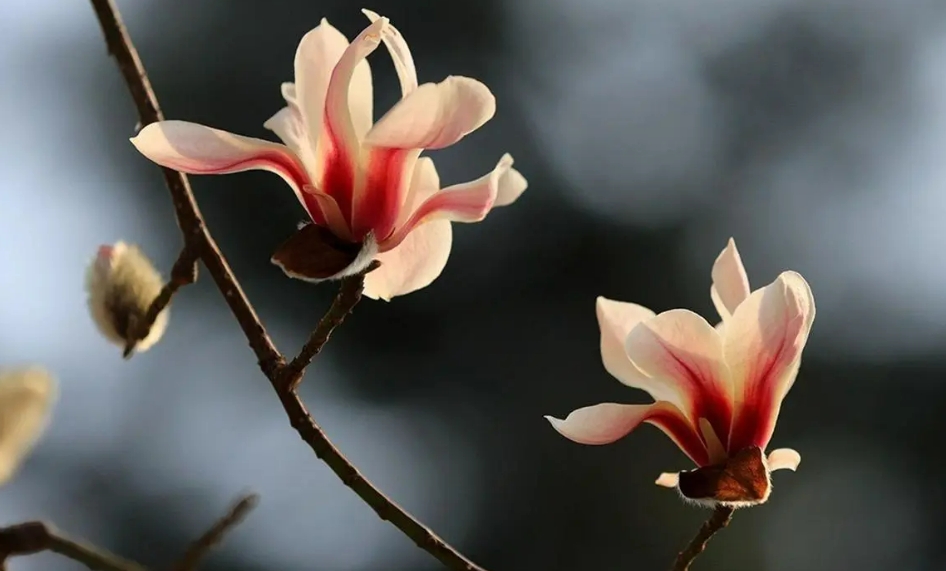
(26, 395)
(122, 283)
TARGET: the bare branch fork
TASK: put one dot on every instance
(36, 537)
(283, 376)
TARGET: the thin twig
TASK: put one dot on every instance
(213, 536)
(184, 272)
(35, 537)
(386, 508)
(721, 517)
(271, 361)
(349, 294)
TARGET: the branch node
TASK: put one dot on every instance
(35, 537)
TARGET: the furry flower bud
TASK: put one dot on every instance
(122, 283)
(26, 397)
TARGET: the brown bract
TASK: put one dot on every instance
(742, 480)
(313, 253)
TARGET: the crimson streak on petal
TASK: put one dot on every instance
(380, 200)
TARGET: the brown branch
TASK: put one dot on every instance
(189, 218)
(216, 533)
(349, 294)
(386, 508)
(721, 517)
(35, 537)
(271, 361)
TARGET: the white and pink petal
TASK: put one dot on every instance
(608, 422)
(783, 459)
(414, 264)
(616, 319)
(763, 345)
(682, 356)
(468, 202)
(730, 282)
(435, 115)
(400, 54)
(196, 149)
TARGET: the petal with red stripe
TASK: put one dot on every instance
(763, 345)
(682, 356)
(196, 149)
(607, 422)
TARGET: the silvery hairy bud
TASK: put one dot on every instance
(122, 283)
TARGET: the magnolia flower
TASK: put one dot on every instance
(718, 390)
(364, 185)
(122, 283)
(26, 396)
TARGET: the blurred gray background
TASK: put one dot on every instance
(813, 131)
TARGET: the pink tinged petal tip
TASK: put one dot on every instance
(730, 282)
(605, 423)
(196, 149)
(764, 340)
(784, 459)
(435, 115)
(682, 356)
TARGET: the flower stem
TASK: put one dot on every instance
(721, 517)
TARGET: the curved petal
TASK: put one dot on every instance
(196, 149)
(318, 53)
(468, 202)
(414, 264)
(26, 397)
(339, 141)
(763, 344)
(511, 186)
(615, 321)
(730, 282)
(435, 115)
(400, 54)
(287, 126)
(783, 459)
(683, 356)
(607, 422)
